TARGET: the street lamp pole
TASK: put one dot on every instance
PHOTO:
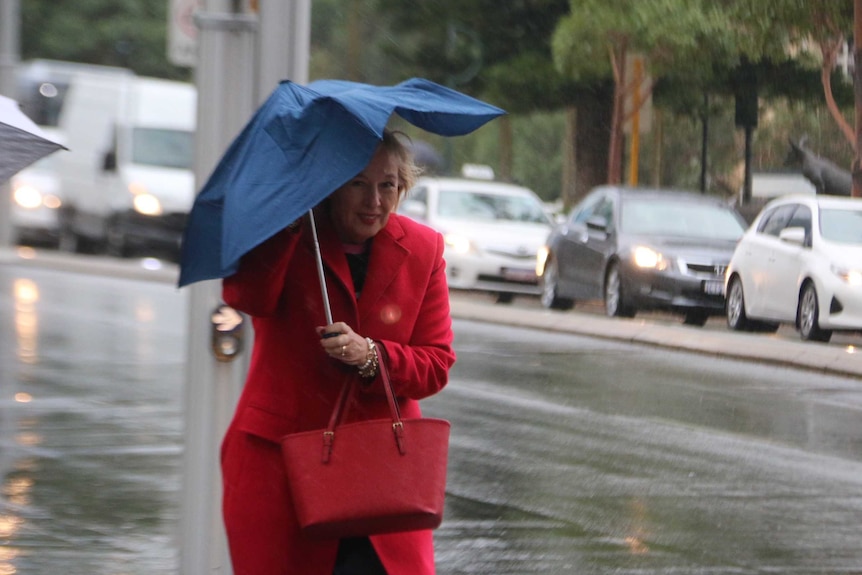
(10, 56)
(244, 49)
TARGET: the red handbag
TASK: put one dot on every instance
(368, 477)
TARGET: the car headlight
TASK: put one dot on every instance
(458, 243)
(51, 201)
(143, 201)
(849, 276)
(645, 257)
(541, 260)
(27, 197)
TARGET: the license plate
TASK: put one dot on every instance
(519, 275)
(713, 287)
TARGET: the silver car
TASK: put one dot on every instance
(642, 249)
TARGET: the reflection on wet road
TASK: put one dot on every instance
(569, 454)
(91, 375)
(577, 456)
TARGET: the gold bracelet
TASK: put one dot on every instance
(369, 368)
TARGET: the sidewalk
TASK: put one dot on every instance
(833, 358)
(765, 348)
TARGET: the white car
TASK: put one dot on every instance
(800, 263)
(36, 200)
(492, 231)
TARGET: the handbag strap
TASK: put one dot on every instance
(340, 409)
(397, 424)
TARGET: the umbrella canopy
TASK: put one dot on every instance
(21, 140)
(299, 147)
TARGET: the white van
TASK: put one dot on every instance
(127, 180)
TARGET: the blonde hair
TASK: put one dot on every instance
(408, 171)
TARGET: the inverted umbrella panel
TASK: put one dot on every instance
(22, 142)
(298, 148)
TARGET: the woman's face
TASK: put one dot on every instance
(361, 207)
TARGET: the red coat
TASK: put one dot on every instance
(292, 384)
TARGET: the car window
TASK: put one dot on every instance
(777, 220)
(487, 206)
(165, 148)
(801, 218)
(654, 216)
(418, 194)
(841, 226)
(605, 210)
(587, 209)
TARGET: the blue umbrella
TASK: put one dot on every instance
(300, 146)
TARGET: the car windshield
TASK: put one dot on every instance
(489, 207)
(841, 226)
(679, 218)
(163, 148)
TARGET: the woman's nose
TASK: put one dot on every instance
(374, 197)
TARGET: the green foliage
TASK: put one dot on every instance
(499, 50)
(532, 58)
(667, 32)
(127, 33)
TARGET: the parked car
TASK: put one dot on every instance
(799, 263)
(642, 249)
(492, 231)
(36, 200)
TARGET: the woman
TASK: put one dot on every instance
(387, 287)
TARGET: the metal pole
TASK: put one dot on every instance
(284, 42)
(10, 46)
(704, 141)
(242, 57)
(225, 82)
(746, 188)
(10, 56)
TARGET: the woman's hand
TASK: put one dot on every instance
(340, 342)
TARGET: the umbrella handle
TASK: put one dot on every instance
(320, 275)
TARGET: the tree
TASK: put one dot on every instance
(501, 52)
(594, 41)
(124, 33)
(697, 47)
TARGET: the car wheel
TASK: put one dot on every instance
(806, 316)
(615, 297)
(504, 297)
(550, 285)
(696, 317)
(737, 319)
(68, 241)
(116, 244)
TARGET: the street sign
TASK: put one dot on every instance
(182, 32)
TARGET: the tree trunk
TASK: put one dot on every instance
(615, 146)
(568, 184)
(506, 154)
(592, 140)
(856, 168)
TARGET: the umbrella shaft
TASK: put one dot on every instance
(320, 274)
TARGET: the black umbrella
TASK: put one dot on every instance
(21, 140)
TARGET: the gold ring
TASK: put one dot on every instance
(342, 350)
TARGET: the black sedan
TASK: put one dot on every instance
(642, 249)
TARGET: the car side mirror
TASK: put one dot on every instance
(597, 223)
(109, 161)
(795, 235)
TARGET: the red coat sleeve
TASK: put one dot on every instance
(256, 286)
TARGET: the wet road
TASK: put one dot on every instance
(91, 374)
(569, 454)
(579, 456)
